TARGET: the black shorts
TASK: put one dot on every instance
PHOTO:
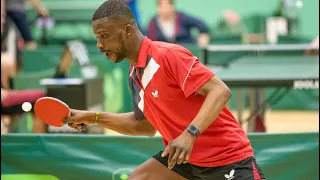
(246, 169)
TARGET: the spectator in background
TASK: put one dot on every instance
(15, 10)
(172, 26)
(8, 69)
(315, 42)
(11, 101)
(11, 107)
(233, 25)
(8, 64)
(3, 15)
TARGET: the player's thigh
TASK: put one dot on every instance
(153, 169)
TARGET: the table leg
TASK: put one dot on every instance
(239, 104)
(262, 98)
(252, 108)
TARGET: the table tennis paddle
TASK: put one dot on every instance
(52, 111)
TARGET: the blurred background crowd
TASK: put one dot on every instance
(38, 46)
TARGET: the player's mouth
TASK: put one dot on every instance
(106, 52)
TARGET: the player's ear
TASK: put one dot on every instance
(129, 30)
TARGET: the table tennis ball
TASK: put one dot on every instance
(26, 106)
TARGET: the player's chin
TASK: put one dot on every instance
(114, 58)
(118, 60)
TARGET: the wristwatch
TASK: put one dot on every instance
(193, 130)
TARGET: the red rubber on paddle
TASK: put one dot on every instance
(51, 111)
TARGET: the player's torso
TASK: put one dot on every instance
(164, 104)
(160, 98)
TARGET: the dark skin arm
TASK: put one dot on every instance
(124, 123)
(217, 95)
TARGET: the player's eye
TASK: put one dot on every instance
(103, 36)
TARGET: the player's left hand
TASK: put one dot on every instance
(179, 149)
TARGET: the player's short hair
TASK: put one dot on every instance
(114, 9)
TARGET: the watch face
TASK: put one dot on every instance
(192, 128)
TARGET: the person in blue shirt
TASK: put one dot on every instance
(172, 26)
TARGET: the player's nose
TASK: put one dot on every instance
(99, 45)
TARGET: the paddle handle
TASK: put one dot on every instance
(84, 127)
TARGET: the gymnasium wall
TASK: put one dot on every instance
(209, 11)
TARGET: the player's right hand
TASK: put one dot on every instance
(77, 118)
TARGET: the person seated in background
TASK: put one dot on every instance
(11, 107)
(8, 64)
(15, 10)
(172, 26)
(11, 100)
(8, 69)
(315, 42)
(3, 14)
(232, 25)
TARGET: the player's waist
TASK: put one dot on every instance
(213, 154)
(221, 160)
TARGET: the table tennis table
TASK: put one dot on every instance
(264, 66)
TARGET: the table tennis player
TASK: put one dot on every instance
(178, 96)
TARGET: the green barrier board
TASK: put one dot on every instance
(83, 157)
